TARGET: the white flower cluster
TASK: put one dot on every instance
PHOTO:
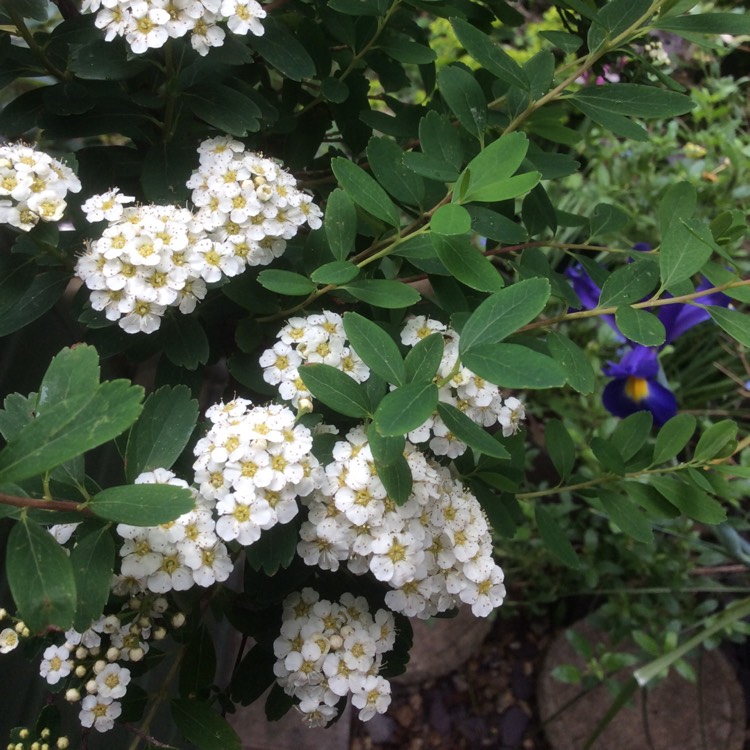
(33, 186)
(247, 204)
(327, 650)
(148, 258)
(479, 400)
(153, 257)
(175, 555)
(318, 338)
(435, 550)
(88, 661)
(253, 464)
(148, 24)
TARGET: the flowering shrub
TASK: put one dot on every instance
(306, 320)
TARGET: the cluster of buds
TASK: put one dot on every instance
(33, 186)
(147, 24)
(328, 650)
(10, 638)
(23, 738)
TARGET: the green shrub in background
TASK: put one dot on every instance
(327, 279)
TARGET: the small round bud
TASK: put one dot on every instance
(336, 642)
(91, 687)
(3, 613)
(178, 620)
(24, 733)
(113, 653)
(72, 695)
(80, 671)
(95, 651)
(305, 406)
(346, 631)
(135, 629)
(36, 746)
(136, 654)
(20, 626)
(25, 632)
(144, 621)
(99, 666)
(44, 746)
(159, 633)
(19, 746)
(160, 605)
(134, 603)
(45, 733)
(81, 653)
(62, 743)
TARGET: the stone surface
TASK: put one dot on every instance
(708, 715)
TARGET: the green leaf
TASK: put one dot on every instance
(376, 348)
(465, 98)
(613, 19)
(466, 262)
(691, 501)
(607, 219)
(501, 190)
(574, 362)
(36, 9)
(385, 450)
(40, 576)
(102, 60)
(253, 676)
(340, 224)
(673, 437)
(16, 276)
(640, 326)
(201, 725)
(387, 163)
(707, 23)
(17, 412)
(649, 498)
(626, 516)
(279, 48)
(45, 290)
(166, 169)
(469, 432)
(494, 164)
(678, 203)
(631, 434)
(396, 478)
(714, 441)
(685, 248)
(423, 360)
(274, 550)
(93, 560)
(562, 40)
(489, 55)
(185, 342)
(607, 455)
(514, 366)
(162, 431)
(198, 667)
(733, 322)
(392, 295)
(72, 372)
(440, 141)
(560, 447)
(634, 100)
(286, 282)
(618, 124)
(223, 107)
(336, 390)
(630, 283)
(365, 191)
(69, 428)
(451, 219)
(504, 313)
(334, 90)
(554, 537)
(495, 226)
(142, 504)
(406, 408)
(337, 272)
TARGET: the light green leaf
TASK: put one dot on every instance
(707, 23)
(715, 440)
(574, 362)
(554, 537)
(335, 389)
(607, 219)
(337, 272)
(501, 190)
(685, 248)
(142, 504)
(201, 725)
(93, 560)
(640, 326)
(376, 348)
(505, 312)
(392, 295)
(40, 576)
(466, 263)
(691, 501)
(365, 191)
(673, 437)
(423, 360)
(451, 219)
(677, 204)
(469, 432)
(494, 163)
(162, 431)
(286, 282)
(628, 518)
(733, 322)
(630, 283)
(465, 98)
(406, 408)
(340, 224)
(439, 140)
(634, 100)
(72, 372)
(631, 434)
(514, 366)
(613, 19)
(618, 124)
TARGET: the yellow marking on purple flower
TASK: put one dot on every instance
(636, 389)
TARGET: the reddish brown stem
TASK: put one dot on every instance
(32, 502)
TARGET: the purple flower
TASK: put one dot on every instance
(636, 386)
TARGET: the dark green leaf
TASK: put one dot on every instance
(631, 434)
(36, 9)
(495, 226)
(451, 219)
(492, 165)
(387, 163)
(607, 455)
(142, 504)
(223, 107)
(514, 366)
(404, 49)
(707, 23)
(44, 291)
(162, 431)
(505, 312)
(365, 191)
(489, 55)
(198, 666)
(274, 550)
(423, 360)
(554, 537)
(253, 676)
(714, 441)
(17, 412)
(440, 141)
(469, 432)
(383, 293)
(630, 283)
(618, 124)
(733, 322)
(340, 224)
(376, 348)
(640, 326)
(406, 408)
(279, 48)
(40, 576)
(677, 204)
(685, 248)
(202, 726)
(626, 516)
(335, 389)
(574, 362)
(286, 282)
(673, 437)
(93, 560)
(465, 98)
(185, 342)
(649, 498)
(73, 372)
(337, 272)
(616, 17)
(466, 263)
(560, 447)
(166, 169)
(562, 40)
(334, 90)
(691, 501)
(385, 450)
(396, 478)
(102, 60)
(607, 219)
(634, 100)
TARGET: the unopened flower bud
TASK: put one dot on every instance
(72, 695)
(24, 733)
(20, 626)
(91, 687)
(63, 743)
(113, 653)
(136, 654)
(336, 642)
(159, 633)
(99, 666)
(81, 653)
(178, 620)
(80, 671)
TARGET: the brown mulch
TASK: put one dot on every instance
(489, 703)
